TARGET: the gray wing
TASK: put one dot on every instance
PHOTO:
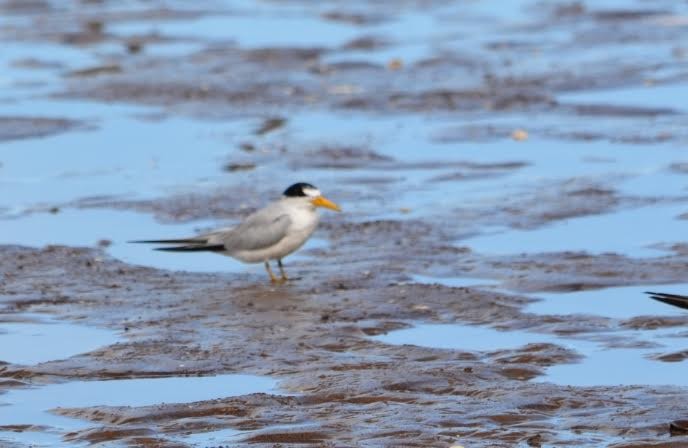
(258, 231)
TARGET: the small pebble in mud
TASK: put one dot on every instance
(232, 167)
(248, 147)
(269, 125)
(94, 26)
(519, 135)
(395, 64)
(535, 440)
(134, 46)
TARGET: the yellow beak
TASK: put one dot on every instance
(322, 201)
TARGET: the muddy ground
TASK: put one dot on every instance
(338, 385)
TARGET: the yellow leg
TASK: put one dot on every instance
(273, 279)
(284, 275)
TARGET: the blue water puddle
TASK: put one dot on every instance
(228, 436)
(463, 337)
(414, 32)
(48, 340)
(657, 181)
(290, 26)
(601, 365)
(550, 159)
(620, 366)
(628, 232)
(505, 12)
(212, 438)
(22, 80)
(635, 169)
(609, 358)
(658, 96)
(249, 30)
(32, 405)
(124, 157)
(168, 49)
(88, 111)
(619, 302)
(86, 228)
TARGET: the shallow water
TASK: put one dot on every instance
(633, 169)
(211, 438)
(621, 366)
(628, 232)
(620, 357)
(248, 31)
(123, 157)
(49, 340)
(663, 96)
(25, 83)
(464, 337)
(31, 406)
(601, 365)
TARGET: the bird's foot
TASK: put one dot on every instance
(283, 280)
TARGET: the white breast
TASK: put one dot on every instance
(304, 221)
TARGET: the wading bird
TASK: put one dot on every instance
(270, 233)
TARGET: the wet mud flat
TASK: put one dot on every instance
(316, 337)
(500, 162)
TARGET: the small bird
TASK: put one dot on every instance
(270, 233)
(671, 299)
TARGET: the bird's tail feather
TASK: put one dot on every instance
(194, 248)
(671, 299)
(177, 241)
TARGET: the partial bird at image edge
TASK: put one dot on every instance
(671, 299)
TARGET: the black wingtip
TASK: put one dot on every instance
(193, 248)
(175, 241)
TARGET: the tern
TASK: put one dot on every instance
(671, 299)
(270, 233)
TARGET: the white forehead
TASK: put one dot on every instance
(311, 192)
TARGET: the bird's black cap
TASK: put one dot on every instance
(297, 190)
